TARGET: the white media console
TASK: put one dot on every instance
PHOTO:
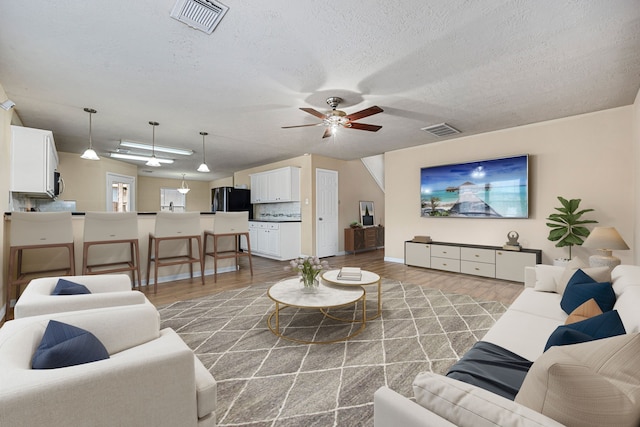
(486, 261)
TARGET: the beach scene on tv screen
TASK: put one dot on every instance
(495, 188)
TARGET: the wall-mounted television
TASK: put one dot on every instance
(497, 188)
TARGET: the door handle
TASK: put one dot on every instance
(320, 219)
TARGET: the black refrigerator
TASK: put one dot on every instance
(229, 199)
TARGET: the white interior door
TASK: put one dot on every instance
(326, 212)
(121, 193)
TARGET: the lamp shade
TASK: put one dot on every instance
(605, 238)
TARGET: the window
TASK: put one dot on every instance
(172, 200)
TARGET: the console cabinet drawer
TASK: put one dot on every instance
(478, 268)
(478, 255)
(447, 264)
(441, 251)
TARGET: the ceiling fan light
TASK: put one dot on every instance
(153, 162)
(203, 168)
(90, 154)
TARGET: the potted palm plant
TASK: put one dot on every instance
(567, 227)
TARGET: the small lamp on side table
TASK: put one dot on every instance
(605, 239)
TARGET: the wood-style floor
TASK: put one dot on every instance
(266, 270)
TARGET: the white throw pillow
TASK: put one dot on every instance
(599, 274)
(467, 405)
(547, 277)
(596, 383)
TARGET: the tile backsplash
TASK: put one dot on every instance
(22, 202)
(278, 211)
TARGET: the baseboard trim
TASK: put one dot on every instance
(398, 260)
(182, 276)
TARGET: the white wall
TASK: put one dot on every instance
(636, 158)
(586, 157)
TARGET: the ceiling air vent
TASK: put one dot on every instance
(203, 15)
(441, 130)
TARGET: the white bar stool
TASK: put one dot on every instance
(114, 229)
(171, 227)
(228, 224)
(37, 230)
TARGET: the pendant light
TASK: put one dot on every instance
(203, 167)
(153, 162)
(184, 188)
(89, 153)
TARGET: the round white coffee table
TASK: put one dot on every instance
(368, 278)
(289, 293)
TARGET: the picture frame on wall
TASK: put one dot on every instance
(367, 214)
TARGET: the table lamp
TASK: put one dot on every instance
(605, 239)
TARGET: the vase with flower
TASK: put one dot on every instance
(308, 269)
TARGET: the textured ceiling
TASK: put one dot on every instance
(477, 65)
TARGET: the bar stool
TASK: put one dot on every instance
(228, 224)
(114, 229)
(172, 227)
(37, 230)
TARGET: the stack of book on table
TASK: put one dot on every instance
(350, 273)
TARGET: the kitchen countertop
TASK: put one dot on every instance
(275, 220)
(139, 213)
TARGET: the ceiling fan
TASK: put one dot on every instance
(335, 118)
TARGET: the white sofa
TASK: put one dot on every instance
(151, 377)
(523, 329)
(107, 290)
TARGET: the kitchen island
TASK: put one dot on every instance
(47, 258)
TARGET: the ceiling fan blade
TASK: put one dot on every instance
(365, 113)
(313, 112)
(301, 126)
(363, 126)
(327, 133)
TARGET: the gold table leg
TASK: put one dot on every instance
(276, 330)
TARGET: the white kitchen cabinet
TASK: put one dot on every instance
(276, 240)
(34, 160)
(253, 237)
(259, 188)
(275, 186)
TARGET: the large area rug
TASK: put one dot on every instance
(267, 381)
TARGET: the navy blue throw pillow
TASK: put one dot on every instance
(605, 325)
(67, 287)
(66, 345)
(582, 288)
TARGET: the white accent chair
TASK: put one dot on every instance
(152, 378)
(108, 290)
